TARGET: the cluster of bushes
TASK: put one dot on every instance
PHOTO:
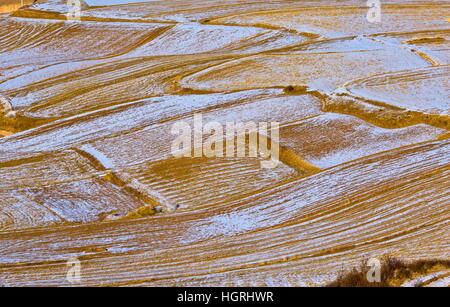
(392, 271)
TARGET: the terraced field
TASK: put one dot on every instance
(86, 167)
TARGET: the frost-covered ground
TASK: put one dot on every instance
(87, 108)
(112, 2)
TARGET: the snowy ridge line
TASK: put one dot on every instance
(380, 113)
(424, 56)
(132, 185)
